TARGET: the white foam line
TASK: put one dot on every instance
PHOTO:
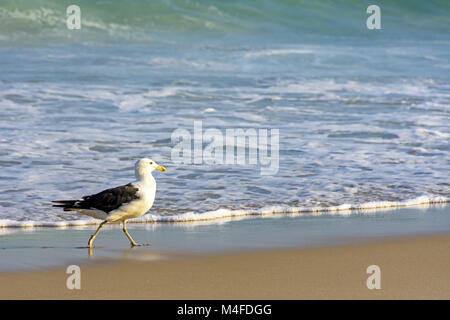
(344, 209)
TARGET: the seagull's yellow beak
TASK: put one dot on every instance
(161, 168)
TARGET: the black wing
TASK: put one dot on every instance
(107, 200)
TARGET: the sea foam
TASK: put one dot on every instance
(220, 214)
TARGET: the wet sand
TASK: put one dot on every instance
(411, 268)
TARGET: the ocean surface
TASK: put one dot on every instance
(363, 115)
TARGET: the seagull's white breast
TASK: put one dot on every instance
(138, 207)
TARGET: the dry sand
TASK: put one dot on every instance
(411, 268)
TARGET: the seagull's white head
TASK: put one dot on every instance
(146, 166)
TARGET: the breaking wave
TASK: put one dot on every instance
(153, 20)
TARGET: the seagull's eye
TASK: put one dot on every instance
(150, 162)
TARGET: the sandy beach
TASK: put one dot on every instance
(411, 268)
(270, 151)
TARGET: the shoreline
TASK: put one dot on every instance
(216, 216)
(411, 268)
(43, 248)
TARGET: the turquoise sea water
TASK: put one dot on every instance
(363, 115)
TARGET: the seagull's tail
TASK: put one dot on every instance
(68, 205)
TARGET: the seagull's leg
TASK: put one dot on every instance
(133, 243)
(91, 239)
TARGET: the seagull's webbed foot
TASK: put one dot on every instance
(132, 242)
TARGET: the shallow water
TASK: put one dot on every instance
(363, 117)
(26, 249)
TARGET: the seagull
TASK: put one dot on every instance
(120, 203)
